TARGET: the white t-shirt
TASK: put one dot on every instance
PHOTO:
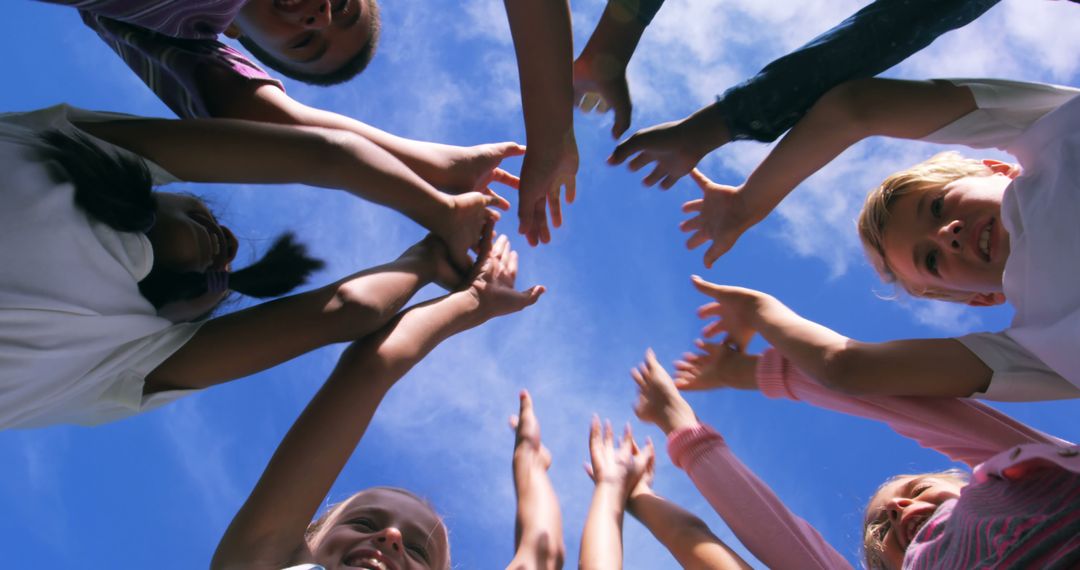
(76, 337)
(1038, 357)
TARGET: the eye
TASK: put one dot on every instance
(932, 262)
(417, 551)
(919, 490)
(340, 8)
(882, 530)
(937, 206)
(364, 524)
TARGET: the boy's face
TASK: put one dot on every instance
(311, 36)
(951, 239)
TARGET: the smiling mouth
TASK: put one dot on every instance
(368, 559)
(984, 239)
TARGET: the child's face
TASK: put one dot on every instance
(903, 506)
(383, 529)
(952, 239)
(186, 236)
(312, 36)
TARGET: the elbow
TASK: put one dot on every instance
(847, 107)
(354, 312)
(843, 371)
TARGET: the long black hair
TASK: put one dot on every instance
(117, 190)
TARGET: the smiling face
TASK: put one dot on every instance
(382, 529)
(899, 510)
(187, 238)
(311, 37)
(950, 240)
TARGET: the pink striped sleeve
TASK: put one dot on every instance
(962, 429)
(778, 538)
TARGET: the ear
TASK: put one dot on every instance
(233, 32)
(986, 299)
(998, 167)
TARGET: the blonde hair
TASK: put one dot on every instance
(318, 528)
(927, 176)
(872, 543)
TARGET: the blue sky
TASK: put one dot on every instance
(157, 491)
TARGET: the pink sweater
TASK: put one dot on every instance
(998, 447)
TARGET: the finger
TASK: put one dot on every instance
(711, 289)
(702, 180)
(626, 149)
(514, 422)
(571, 189)
(498, 250)
(639, 161)
(589, 101)
(609, 434)
(506, 149)
(503, 177)
(693, 206)
(712, 309)
(638, 378)
(543, 233)
(602, 106)
(658, 173)
(713, 329)
(512, 265)
(696, 239)
(594, 435)
(526, 409)
(589, 471)
(496, 200)
(555, 206)
(532, 295)
(669, 181)
(693, 224)
(525, 213)
(714, 252)
(623, 109)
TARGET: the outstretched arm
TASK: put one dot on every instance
(919, 367)
(686, 536)
(615, 471)
(842, 117)
(777, 537)
(544, 48)
(538, 538)
(268, 532)
(221, 150)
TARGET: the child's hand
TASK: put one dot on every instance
(433, 253)
(721, 217)
(544, 173)
(644, 484)
(469, 222)
(659, 401)
(676, 147)
(716, 366)
(460, 169)
(621, 467)
(738, 310)
(493, 281)
(600, 84)
(527, 447)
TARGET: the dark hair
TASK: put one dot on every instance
(117, 190)
(347, 71)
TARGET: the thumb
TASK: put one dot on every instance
(506, 149)
(699, 177)
(711, 289)
(620, 102)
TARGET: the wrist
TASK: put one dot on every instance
(615, 38)
(678, 420)
(707, 129)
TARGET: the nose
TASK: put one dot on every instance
(391, 538)
(896, 508)
(318, 17)
(948, 235)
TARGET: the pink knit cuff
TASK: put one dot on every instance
(686, 445)
(772, 371)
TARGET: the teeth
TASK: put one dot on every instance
(370, 563)
(984, 241)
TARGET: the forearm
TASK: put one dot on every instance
(249, 341)
(538, 539)
(601, 541)
(272, 522)
(685, 535)
(844, 116)
(807, 344)
(544, 48)
(224, 150)
(615, 38)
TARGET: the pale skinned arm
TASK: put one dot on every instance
(268, 532)
(544, 48)
(845, 115)
(224, 150)
(615, 469)
(918, 367)
(538, 538)
(686, 536)
(260, 337)
(775, 535)
(450, 168)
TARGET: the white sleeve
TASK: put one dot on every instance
(1018, 375)
(1005, 110)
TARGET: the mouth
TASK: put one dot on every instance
(915, 522)
(289, 5)
(368, 559)
(984, 242)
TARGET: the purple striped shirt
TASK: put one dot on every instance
(187, 19)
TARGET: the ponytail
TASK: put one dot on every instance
(117, 190)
